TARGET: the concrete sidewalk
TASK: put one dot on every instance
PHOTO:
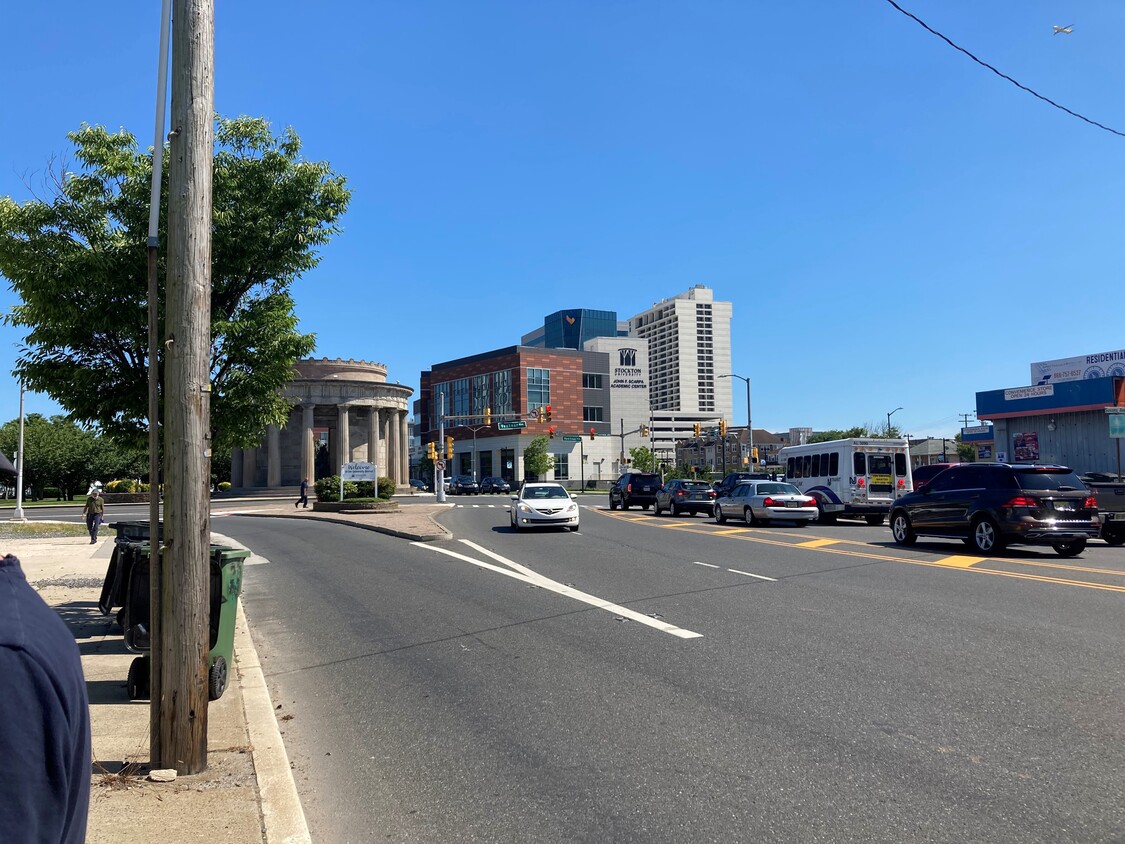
(247, 793)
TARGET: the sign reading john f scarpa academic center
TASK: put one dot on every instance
(1063, 413)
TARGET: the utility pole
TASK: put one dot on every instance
(185, 601)
(965, 417)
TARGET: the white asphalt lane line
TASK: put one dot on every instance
(705, 565)
(751, 574)
(525, 574)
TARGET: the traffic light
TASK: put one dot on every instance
(431, 452)
(488, 416)
(644, 430)
(449, 447)
(547, 412)
(593, 434)
(551, 431)
(754, 454)
(722, 427)
(540, 413)
(697, 429)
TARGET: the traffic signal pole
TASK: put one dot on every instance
(439, 482)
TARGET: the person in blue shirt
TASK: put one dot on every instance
(44, 719)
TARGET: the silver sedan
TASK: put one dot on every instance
(761, 502)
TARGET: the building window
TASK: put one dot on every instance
(591, 381)
(460, 404)
(502, 392)
(562, 467)
(440, 409)
(592, 414)
(538, 387)
(480, 394)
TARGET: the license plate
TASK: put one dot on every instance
(792, 503)
(1064, 506)
(646, 489)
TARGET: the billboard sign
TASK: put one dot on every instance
(1026, 447)
(1099, 365)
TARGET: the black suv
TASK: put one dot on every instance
(990, 505)
(638, 488)
(726, 485)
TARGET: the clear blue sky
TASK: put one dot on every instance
(895, 225)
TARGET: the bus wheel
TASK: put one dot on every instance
(875, 521)
(824, 517)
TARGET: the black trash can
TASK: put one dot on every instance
(130, 537)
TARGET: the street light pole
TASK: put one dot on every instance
(749, 422)
(889, 415)
(18, 516)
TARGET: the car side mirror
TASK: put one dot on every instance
(515, 498)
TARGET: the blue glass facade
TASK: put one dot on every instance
(571, 329)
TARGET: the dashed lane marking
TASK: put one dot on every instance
(960, 561)
(816, 543)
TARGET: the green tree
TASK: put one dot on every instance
(536, 460)
(966, 452)
(643, 459)
(850, 433)
(78, 261)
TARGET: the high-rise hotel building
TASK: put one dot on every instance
(688, 349)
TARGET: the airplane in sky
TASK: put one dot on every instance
(1065, 30)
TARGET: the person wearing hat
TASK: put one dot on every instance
(45, 731)
(94, 511)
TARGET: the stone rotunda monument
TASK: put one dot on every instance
(347, 404)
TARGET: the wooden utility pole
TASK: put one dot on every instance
(187, 408)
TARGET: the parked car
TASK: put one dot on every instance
(924, 474)
(419, 485)
(989, 506)
(634, 489)
(761, 502)
(726, 485)
(544, 504)
(491, 485)
(1109, 490)
(464, 485)
(683, 496)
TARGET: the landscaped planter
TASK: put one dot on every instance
(355, 506)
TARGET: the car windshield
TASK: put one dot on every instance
(696, 485)
(539, 492)
(1047, 480)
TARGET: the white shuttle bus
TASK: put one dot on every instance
(856, 478)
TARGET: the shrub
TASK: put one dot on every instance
(387, 487)
(328, 489)
(224, 486)
(122, 485)
(50, 492)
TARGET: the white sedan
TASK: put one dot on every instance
(760, 502)
(544, 505)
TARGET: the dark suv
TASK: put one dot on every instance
(990, 505)
(726, 485)
(634, 488)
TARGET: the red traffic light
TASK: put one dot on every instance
(551, 431)
(593, 433)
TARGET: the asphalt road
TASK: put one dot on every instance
(656, 679)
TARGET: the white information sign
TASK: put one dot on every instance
(1097, 365)
(357, 472)
(1029, 392)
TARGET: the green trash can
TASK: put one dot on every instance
(226, 586)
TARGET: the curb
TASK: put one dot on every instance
(441, 534)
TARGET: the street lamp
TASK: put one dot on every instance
(749, 424)
(18, 515)
(889, 415)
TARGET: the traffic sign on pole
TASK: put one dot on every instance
(570, 438)
(510, 426)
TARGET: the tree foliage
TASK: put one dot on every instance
(536, 460)
(851, 433)
(966, 452)
(78, 260)
(643, 460)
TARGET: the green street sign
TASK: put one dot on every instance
(571, 438)
(510, 426)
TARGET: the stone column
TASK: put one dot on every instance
(373, 441)
(404, 450)
(236, 468)
(308, 467)
(343, 440)
(249, 468)
(392, 445)
(384, 438)
(273, 466)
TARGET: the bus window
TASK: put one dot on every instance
(834, 464)
(900, 465)
(860, 464)
(806, 465)
(790, 472)
(880, 467)
(816, 465)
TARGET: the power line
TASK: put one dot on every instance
(1047, 100)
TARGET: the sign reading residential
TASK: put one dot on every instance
(510, 426)
(1097, 365)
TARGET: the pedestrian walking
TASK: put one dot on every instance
(304, 499)
(94, 511)
(45, 728)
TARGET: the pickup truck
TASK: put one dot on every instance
(1110, 492)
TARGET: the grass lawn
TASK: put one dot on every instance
(40, 530)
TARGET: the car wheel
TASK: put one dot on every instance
(720, 516)
(612, 505)
(824, 517)
(986, 537)
(1113, 537)
(656, 508)
(624, 504)
(674, 510)
(749, 517)
(644, 506)
(902, 530)
(875, 521)
(1070, 549)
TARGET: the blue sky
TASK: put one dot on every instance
(895, 225)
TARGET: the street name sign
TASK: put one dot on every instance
(510, 426)
(570, 438)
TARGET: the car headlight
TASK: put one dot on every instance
(572, 508)
(523, 508)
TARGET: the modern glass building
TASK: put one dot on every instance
(571, 329)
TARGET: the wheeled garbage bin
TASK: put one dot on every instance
(130, 536)
(226, 585)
